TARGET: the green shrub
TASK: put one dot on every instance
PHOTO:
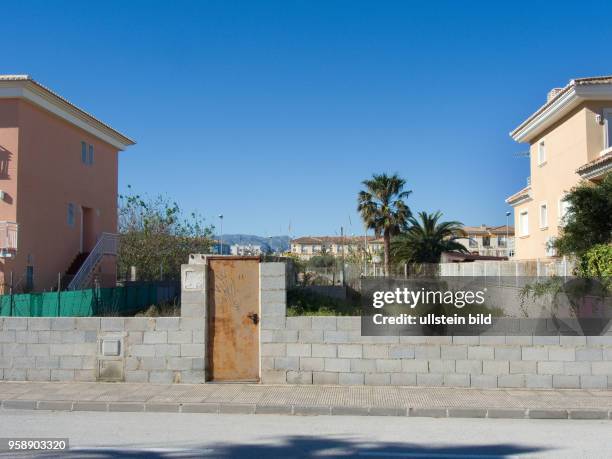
(597, 262)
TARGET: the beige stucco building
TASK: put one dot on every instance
(58, 189)
(308, 246)
(570, 139)
(490, 241)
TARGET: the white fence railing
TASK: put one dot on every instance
(510, 268)
(8, 235)
(106, 245)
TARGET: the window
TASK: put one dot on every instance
(83, 152)
(511, 253)
(90, 158)
(524, 223)
(87, 153)
(564, 207)
(551, 251)
(607, 113)
(70, 216)
(473, 242)
(502, 241)
(543, 215)
(541, 153)
(486, 241)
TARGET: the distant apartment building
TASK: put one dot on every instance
(309, 246)
(248, 249)
(489, 241)
(58, 190)
(220, 248)
(570, 139)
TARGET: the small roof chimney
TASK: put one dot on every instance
(553, 93)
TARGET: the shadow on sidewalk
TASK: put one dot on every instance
(310, 447)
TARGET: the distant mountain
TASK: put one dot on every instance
(276, 243)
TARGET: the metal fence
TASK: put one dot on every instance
(119, 301)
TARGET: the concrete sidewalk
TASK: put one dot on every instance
(308, 400)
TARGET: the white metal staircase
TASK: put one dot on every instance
(106, 245)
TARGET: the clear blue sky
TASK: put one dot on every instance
(271, 112)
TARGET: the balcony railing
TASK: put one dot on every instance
(8, 236)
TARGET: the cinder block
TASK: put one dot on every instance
(284, 336)
(192, 377)
(546, 340)
(441, 366)
(351, 379)
(481, 353)
(142, 350)
(161, 377)
(566, 354)
(137, 376)
(70, 363)
(550, 368)
(26, 337)
(538, 381)
(428, 351)
(324, 350)
(511, 381)
(180, 337)
(198, 336)
(577, 368)
(337, 365)
(47, 362)
(16, 323)
(491, 340)
(593, 382)
(73, 336)
(192, 323)
(13, 349)
(273, 349)
(566, 382)
(377, 379)
(274, 309)
(352, 323)
(520, 340)
(466, 340)
(376, 351)
(457, 380)
(312, 364)
(272, 269)
(454, 352)
(87, 323)
(363, 365)
(167, 350)
(272, 296)
(276, 322)
(572, 340)
(507, 353)
(299, 377)
(88, 375)
(601, 340)
(167, 323)
(14, 374)
(39, 323)
(388, 365)
(523, 367)
(273, 283)
(469, 366)
(401, 351)
(601, 368)
(8, 336)
(194, 311)
(152, 363)
(274, 377)
(192, 350)
(37, 350)
(324, 377)
(299, 323)
(155, 337)
(336, 336)
(324, 323)
(298, 350)
(607, 353)
(62, 375)
(37, 374)
(50, 337)
(85, 349)
(534, 353)
(287, 363)
(415, 366)
(589, 354)
(310, 336)
(24, 362)
(430, 379)
(112, 324)
(483, 381)
(179, 363)
(350, 351)
(495, 367)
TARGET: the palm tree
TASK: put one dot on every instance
(383, 209)
(427, 238)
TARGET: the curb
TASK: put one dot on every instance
(305, 410)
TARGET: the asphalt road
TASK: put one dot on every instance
(181, 435)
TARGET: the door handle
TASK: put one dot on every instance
(254, 317)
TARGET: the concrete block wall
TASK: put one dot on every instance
(331, 350)
(157, 350)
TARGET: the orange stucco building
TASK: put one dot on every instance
(58, 190)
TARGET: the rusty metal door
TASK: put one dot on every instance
(233, 317)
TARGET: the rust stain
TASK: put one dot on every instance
(233, 345)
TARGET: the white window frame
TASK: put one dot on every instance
(562, 210)
(84, 152)
(607, 118)
(543, 221)
(541, 152)
(524, 231)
